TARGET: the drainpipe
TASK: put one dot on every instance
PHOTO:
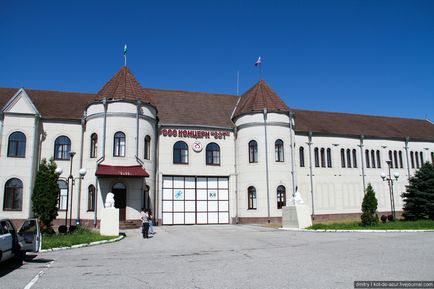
(35, 159)
(363, 163)
(266, 165)
(236, 177)
(407, 140)
(83, 124)
(156, 171)
(138, 104)
(101, 159)
(291, 140)
(311, 174)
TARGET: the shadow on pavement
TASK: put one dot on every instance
(13, 264)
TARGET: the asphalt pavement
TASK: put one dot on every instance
(231, 256)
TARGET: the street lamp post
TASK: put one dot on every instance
(71, 181)
(390, 180)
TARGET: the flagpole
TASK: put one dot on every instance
(238, 82)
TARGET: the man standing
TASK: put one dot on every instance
(145, 223)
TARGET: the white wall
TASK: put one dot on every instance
(251, 127)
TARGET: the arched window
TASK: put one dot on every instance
(412, 159)
(401, 164)
(180, 153)
(391, 159)
(119, 144)
(373, 158)
(329, 158)
(395, 158)
(378, 160)
(343, 158)
(278, 148)
(301, 153)
(63, 194)
(316, 155)
(212, 154)
(93, 145)
(368, 165)
(147, 147)
(354, 158)
(349, 158)
(416, 154)
(91, 198)
(421, 158)
(323, 160)
(251, 192)
(62, 147)
(13, 195)
(432, 157)
(281, 197)
(17, 145)
(253, 151)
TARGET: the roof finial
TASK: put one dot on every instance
(125, 55)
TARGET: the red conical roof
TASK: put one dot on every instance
(257, 98)
(124, 86)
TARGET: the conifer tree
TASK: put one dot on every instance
(419, 195)
(45, 194)
(369, 207)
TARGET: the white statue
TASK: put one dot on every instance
(110, 200)
(296, 198)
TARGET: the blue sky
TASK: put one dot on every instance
(371, 57)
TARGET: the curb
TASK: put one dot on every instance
(83, 245)
(357, 231)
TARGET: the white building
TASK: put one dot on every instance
(200, 158)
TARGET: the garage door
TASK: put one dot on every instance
(195, 200)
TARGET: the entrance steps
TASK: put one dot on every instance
(130, 224)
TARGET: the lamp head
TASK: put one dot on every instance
(383, 176)
(388, 162)
(396, 175)
(58, 171)
(71, 154)
(82, 172)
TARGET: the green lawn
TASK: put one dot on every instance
(397, 225)
(80, 236)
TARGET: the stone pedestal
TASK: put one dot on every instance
(109, 225)
(296, 216)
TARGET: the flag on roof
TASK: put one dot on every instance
(125, 49)
(258, 61)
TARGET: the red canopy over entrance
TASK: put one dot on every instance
(120, 171)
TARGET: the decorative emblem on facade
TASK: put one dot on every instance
(197, 146)
(178, 195)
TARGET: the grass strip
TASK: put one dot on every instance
(81, 235)
(396, 225)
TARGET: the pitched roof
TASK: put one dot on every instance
(257, 98)
(53, 104)
(357, 124)
(208, 109)
(194, 108)
(124, 86)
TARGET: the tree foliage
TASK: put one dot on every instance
(419, 195)
(45, 194)
(369, 207)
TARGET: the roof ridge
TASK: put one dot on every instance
(188, 91)
(359, 114)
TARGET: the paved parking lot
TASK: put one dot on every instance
(228, 256)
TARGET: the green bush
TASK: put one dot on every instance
(419, 195)
(45, 195)
(369, 208)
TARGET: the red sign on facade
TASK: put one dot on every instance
(186, 133)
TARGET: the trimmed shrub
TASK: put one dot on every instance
(369, 208)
